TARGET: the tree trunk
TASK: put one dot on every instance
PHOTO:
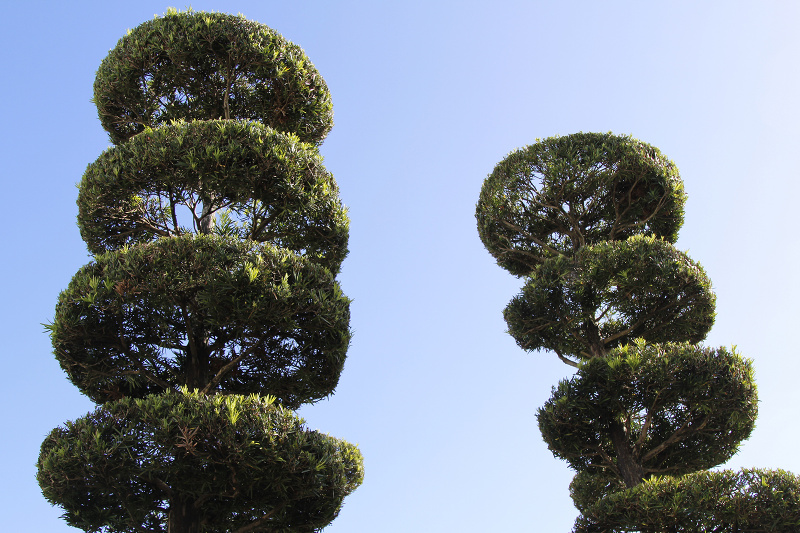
(197, 373)
(183, 517)
(631, 471)
(199, 353)
(206, 216)
(596, 347)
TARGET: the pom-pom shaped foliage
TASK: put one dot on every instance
(587, 487)
(203, 312)
(209, 66)
(652, 409)
(750, 501)
(225, 463)
(562, 193)
(174, 179)
(609, 293)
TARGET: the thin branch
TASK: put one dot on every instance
(138, 362)
(261, 521)
(172, 208)
(567, 361)
(678, 435)
(647, 423)
(225, 369)
(637, 446)
(541, 243)
(158, 483)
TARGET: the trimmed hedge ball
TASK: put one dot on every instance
(562, 193)
(203, 66)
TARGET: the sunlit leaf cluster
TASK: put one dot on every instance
(748, 501)
(173, 179)
(237, 460)
(204, 66)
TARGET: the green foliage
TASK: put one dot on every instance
(587, 487)
(682, 408)
(274, 186)
(562, 193)
(203, 66)
(134, 321)
(750, 501)
(236, 460)
(609, 293)
(218, 239)
(589, 219)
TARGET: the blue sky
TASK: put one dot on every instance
(428, 97)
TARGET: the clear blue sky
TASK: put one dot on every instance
(428, 97)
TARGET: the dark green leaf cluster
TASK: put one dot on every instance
(679, 408)
(562, 193)
(201, 66)
(749, 501)
(609, 293)
(169, 180)
(129, 324)
(237, 460)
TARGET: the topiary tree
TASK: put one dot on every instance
(211, 307)
(589, 220)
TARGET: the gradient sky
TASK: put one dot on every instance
(428, 97)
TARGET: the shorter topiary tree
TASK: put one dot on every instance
(589, 220)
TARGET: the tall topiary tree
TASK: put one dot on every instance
(211, 308)
(588, 220)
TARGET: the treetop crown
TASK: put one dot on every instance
(561, 193)
(198, 65)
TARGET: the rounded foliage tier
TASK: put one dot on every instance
(203, 312)
(562, 193)
(201, 66)
(749, 501)
(667, 408)
(260, 184)
(587, 487)
(228, 463)
(609, 293)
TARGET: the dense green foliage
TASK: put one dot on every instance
(679, 408)
(749, 501)
(273, 323)
(211, 307)
(588, 220)
(580, 306)
(236, 460)
(172, 179)
(204, 66)
(562, 193)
